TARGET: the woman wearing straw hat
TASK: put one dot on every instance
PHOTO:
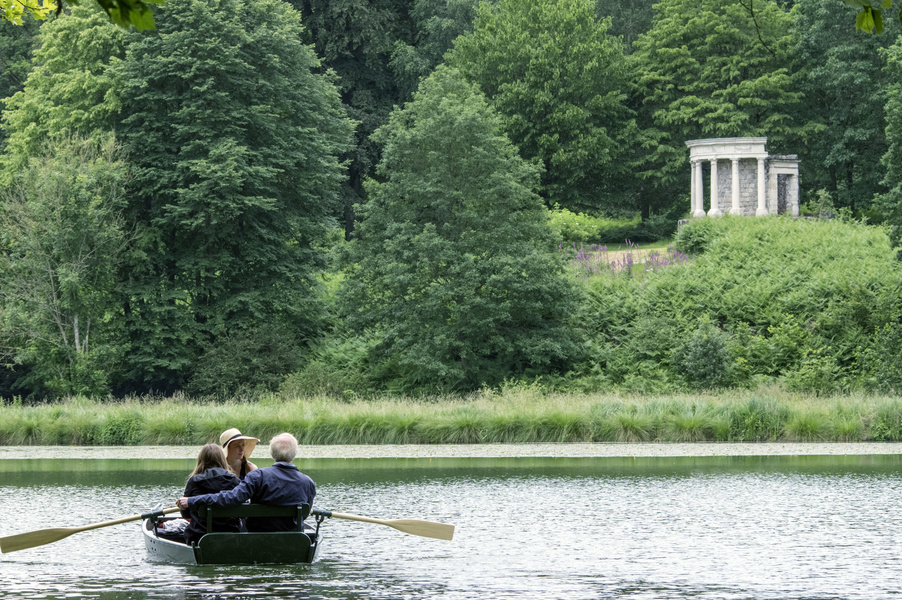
(238, 447)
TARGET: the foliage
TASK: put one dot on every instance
(704, 359)
(63, 238)
(870, 15)
(581, 228)
(235, 186)
(125, 13)
(16, 46)
(629, 18)
(356, 39)
(798, 300)
(840, 73)
(457, 272)
(246, 360)
(576, 228)
(697, 235)
(883, 358)
(336, 365)
(710, 69)
(560, 83)
(437, 23)
(890, 204)
(71, 90)
(14, 11)
(821, 206)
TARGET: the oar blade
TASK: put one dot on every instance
(21, 541)
(430, 529)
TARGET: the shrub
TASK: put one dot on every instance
(796, 302)
(580, 228)
(695, 236)
(818, 372)
(704, 359)
(335, 366)
(653, 229)
(256, 359)
(883, 359)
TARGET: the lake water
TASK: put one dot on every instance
(743, 528)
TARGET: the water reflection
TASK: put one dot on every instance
(744, 527)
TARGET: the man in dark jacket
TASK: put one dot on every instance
(279, 485)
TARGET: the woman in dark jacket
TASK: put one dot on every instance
(211, 475)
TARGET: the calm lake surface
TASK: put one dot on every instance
(744, 527)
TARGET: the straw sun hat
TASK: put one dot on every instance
(230, 435)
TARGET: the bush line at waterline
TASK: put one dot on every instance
(483, 418)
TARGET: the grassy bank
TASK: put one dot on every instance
(507, 417)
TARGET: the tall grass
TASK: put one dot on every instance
(519, 415)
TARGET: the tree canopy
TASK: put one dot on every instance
(71, 90)
(560, 84)
(234, 136)
(455, 263)
(62, 239)
(841, 73)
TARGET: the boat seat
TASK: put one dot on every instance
(256, 547)
(243, 511)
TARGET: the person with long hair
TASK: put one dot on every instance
(211, 475)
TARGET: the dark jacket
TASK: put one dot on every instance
(209, 482)
(279, 485)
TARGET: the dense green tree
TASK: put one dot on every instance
(234, 138)
(16, 48)
(710, 69)
(62, 237)
(560, 84)
(455, 264)
(356, 38)
(890, 203)
(70, 91)
(436, 23)
(844, 94)
(629, 18)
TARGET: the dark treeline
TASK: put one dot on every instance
(354, 195)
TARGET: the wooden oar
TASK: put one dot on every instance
(428, 529)
(21, 541)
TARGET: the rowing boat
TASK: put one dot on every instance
(246, 547)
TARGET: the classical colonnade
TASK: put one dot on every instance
(745, 179)
(697, 189)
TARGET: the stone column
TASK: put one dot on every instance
(698, 189)
(692, 188)
(762, 206)
(794, 195)
(735, 209)
(715, 196)
(772, 201)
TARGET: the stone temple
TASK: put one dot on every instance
(745, 180)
